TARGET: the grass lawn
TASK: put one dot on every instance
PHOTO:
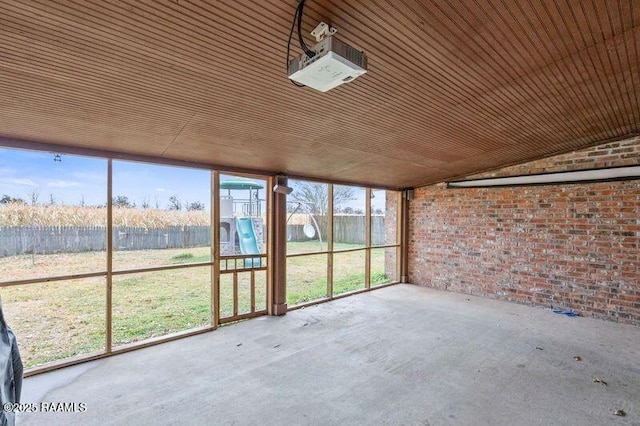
(307, 275)
(60, 319)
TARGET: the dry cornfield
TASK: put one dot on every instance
(20, 214)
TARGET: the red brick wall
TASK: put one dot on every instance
(621, 153)
(572, 246)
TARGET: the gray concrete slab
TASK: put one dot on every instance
(399, 355)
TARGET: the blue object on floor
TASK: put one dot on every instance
(565, 312)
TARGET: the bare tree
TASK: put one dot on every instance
(33, 196)
(194, 206)
(315, 196)
(122, 201)
(174, 203)
(145, 203)
(6, 199)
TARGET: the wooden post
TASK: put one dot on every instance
(367, 239)
(404, 243)
(109, 306)
(215, 248)
(399, 238)
(330, 241)
(279, 251)
(253, 290)
(269, 245)
(235, 293)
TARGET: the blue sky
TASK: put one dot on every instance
(76, 178)
(23, 173)
(359, 197)
(147, 182)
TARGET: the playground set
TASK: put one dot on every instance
(242, 227)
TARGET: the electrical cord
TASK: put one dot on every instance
(297, 18)
(310, 53)
(293, 25)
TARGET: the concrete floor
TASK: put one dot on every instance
(398, 355)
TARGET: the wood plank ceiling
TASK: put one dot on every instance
(454, 86)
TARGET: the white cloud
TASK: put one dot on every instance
(62, 183)
(160, 189)
(14, 181)
(4, 171)
(90, 176)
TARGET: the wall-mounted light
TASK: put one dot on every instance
(281, 188)
(578, 176)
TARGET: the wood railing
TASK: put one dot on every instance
(248, 265)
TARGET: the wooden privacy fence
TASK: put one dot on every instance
(348, 229)
(15, 240)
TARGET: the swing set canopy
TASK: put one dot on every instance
(240, 183)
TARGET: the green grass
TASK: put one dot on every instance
(154, 304)
(57, 320)
(61, 319)
(307, 275)
(190, 258)
(184, 257)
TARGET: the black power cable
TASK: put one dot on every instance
(310, 53)
(293, 24)
(297, 18)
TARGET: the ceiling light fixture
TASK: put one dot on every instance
(280, 188)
